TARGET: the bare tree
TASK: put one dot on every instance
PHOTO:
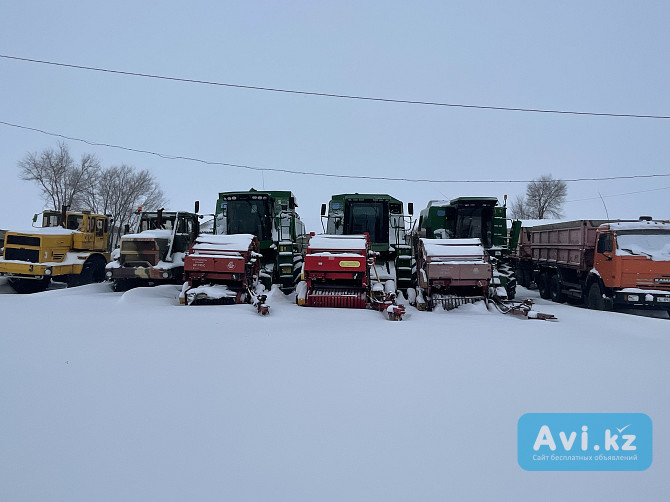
(116, 190)
(120, 191)
(518, 209)
(62, 181)
(545, 197)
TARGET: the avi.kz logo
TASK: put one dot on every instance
(584, 441)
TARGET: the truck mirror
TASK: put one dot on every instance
(410, 208)
(291, 202)
(126, 229)
(323, 210)
(197, 206)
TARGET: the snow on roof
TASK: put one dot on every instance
(337, 242)
(150, 234)
(453, 247)
(44, 231)
(640, 225)
(231, 242)
(453, 242)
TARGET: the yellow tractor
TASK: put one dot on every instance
(70, 247)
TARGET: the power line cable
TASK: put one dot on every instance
(313, 173)
(619, 194)
(331, 95)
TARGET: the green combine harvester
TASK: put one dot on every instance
(476, 217)
(270, 216)
(382, 217)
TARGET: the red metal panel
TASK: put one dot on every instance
(335, 263)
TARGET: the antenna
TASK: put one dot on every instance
(603, 200)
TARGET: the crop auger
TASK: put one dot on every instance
(336, 273)
(454, 272)
(224, 270)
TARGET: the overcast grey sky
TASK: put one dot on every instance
(594, 56)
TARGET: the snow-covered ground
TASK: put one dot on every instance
(131, 397)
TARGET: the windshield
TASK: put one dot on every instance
(151, 222)
(654, 245)
(249, 217)
(475, 222)
(370, 217)
(50, 219)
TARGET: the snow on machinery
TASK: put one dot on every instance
(155, 254)
(271, 216)
(481, 218)
(223, 270)
(382, 218)
(451, 272)
(337, 273)
(70, 247)
(605, 264)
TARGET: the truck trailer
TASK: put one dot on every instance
(605, 264)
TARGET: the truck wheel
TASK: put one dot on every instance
(543, 286)
(555, 290)
(92, 271)
(594, 300)
(27, 286)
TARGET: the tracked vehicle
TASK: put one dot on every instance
(155, 253)
(70, 247)
(270, 216)
(481, 218)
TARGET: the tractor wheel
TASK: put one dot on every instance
(555, 289)
(523, 277)
(27, 286)
(543, 286)
(594, 300)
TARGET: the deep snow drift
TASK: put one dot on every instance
(132, 397)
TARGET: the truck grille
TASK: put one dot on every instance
(22, 240)
(31, 255)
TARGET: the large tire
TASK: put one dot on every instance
(523, 277)
(594, 299)
(27, 286)
(543, 285)
(555, 291)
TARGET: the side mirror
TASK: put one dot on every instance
(126, 229)
(35, 218)
(323, 210)
(410, 208)
(197, 207)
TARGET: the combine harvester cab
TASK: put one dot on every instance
(477, 218)
(271, 216)
(223, 270)
(336, 274)
(382, 218)
(155, 254)
(70, 247)
(452, 272)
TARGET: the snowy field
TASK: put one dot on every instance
(130, 397)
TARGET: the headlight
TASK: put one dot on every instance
(166, 275)
(47, 271)
(632, 298)
(108, 274)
